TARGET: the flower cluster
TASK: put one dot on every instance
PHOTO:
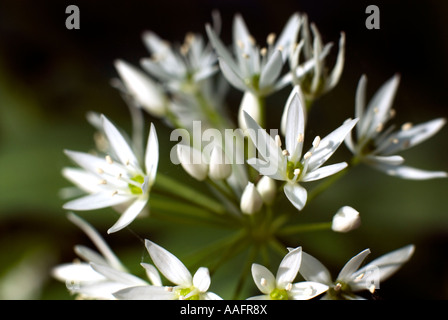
(259, 198)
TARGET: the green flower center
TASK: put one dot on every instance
(136, 189)
(183, 292)
(339, 290)
(279, 294)
(291, 167)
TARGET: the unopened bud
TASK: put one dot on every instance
(219, 168)
(346, 219)
(251, 200)
(267, 189)
(192, 161)
(249, 103)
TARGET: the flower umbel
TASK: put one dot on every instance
(116, 179)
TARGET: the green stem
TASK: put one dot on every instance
(304, 228)
(245, 272)
(172, 186)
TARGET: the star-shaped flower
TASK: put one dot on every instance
(117, 179)
(350, 278)
(187, 287)
(377, 146)
(249, 68)
(281, 287)
(289, 165)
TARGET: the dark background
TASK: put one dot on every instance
(50, 77)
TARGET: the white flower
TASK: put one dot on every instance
(251, 68)
(117, 179)
(193, 161)
(289, 165)
(345, 220)
(180, 66)
(351, 279)
(281, 287)
(101, 274)
(220, 167)
(187, 287)
(251, 200)
(147, 93)
(377, 146)
(249, 104)
(313, 75)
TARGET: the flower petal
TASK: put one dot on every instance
(169, 265)
(295, 124)
(324, 172)
(289, 267)
(263, 278)
(296, 194)
(313, 270)
(129, 215)
(271, 70)
(118, 276)
(119, 144)
(232, 76)
(152, 154)
(406, 172)
(201, 279)
(96, 201)
(307, 290)
(345, 275)
(145, 293)
(152, 274)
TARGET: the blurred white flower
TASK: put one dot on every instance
(376, 146)
(281, 287)
(289, 165)
(345, 220)
(249, 68)
(100, 275)
(351, 279)
(117, 179)
(251, 201)
(187, 287)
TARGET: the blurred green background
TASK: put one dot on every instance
(50, 77)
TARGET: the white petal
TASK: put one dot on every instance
(169, 265)
(296, 194)
(360, 101)
(307, 290)
(270, 169)
(90, 255)
(145, 293)
(263, 278)
(329, 144)
(118, 276)
(201, 279)
(288, 35)
(388, 160)
(260, 297)
(289, 266)
(93, 163)
(76, 272)
(271, 70)
(152, 154)
(97, 290)
(324, 172)
(232, 76)
(345, 275)
(220, 48)
(295, 124)
(210, 296)
(313, 270)
(405, 172)
(192, 161)
(251, 201)
(84, 180)
(96, 201)
(385, 266)
(249, 104)
(129, 215)
(152, 274)
(119, 144)
(335, 75)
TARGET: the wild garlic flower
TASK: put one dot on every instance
(100, 275)
(116, 179)
(281, 287)
(351, 279)
(179, 67)
(312, 75)
(376, 145)
(289, 165)
(345, 220)
(187, 287)
(249, 68)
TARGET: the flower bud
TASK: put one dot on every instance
(251, 200)
(346, 219)
(267, 189)
(145, 91)
(192, 161)
(219, 168)
(250, 104)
